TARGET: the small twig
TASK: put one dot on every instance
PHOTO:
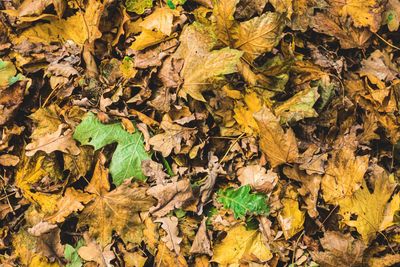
(386, 42)
(230, 148)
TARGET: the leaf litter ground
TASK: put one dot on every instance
(199, 133)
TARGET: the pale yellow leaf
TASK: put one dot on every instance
(343, 176)
(241, 244)
(291, 218)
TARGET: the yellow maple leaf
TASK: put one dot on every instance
(365, 13)
(81, 27)
(203, 68)
(223, 20)
(343, 176)
(244, 114)
(373, 211)
(33, 170)
(240, 244)
(258, 35)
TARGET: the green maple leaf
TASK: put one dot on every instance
(242, 202)
(129, 154)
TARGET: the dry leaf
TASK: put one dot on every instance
(166, 257)
(172, 137)
(170, 196)
(258, 35)
(195, 49)
(340, 250)
(72, 201)
(201, 243)
(171, 239)
(372, 210)
(116, 210)
(160, 20)
(291, 218)
(56, 141)
(258, 178)
(280, 147)
(239, 244)
(8, 160)
(343, 176)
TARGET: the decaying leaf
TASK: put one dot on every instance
(115, 210)
(171, 240)
(172, 137)
(201, 243)
(170, 196)
(340, 250)
(258, 178)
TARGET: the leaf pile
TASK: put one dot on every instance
(200, 133)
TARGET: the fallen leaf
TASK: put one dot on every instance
(146, 39)
(340, 250)
(129, 154)
(258, 35)
(171, 239)
(72, 201)
(372, 209)
(224, 22)
(170, 196)
(93, 252)
(8, 160)
(195, 49)
(172, 137)
(392, 15)
(138, 6)
(291, 218)
(280, 147)
(242, 202)
(201, 243)
(116, 210)
(240, 243)
(160, 20)
(150, 234)
(51, 142)
(258, 178)
(33, 170)
(343, 176)
(166, 257)
(363, 14)
(299, 106)
(311, 184)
